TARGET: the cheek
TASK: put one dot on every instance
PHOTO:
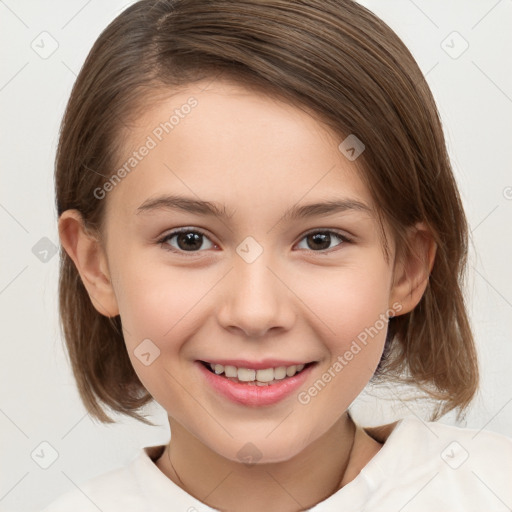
(347, 300)
(351, 315)
(353, 306)
(156, 301)
(159, 310)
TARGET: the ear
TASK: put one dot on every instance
(412, 271)
(84, 248)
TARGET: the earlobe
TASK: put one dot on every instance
(412, 272)
(84, 248)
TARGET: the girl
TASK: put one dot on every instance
(298, 146)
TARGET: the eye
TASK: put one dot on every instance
(321, 239)
(187, 240)
(191, 240)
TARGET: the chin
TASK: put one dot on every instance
(260, 450)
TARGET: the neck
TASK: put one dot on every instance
(295, 484)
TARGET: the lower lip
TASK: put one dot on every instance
(256, 396)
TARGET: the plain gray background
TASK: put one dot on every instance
(43, 47)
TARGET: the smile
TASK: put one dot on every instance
(254, 387)
(260, 377)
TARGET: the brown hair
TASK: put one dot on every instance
(332, 57)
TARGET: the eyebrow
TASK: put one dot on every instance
(213, 209)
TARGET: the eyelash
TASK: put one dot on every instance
(176, 232)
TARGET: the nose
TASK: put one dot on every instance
(256, 299)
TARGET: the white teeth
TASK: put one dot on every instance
(261, 377)
(246, 375)
(265, 375)
(230, 371)
(291, 370)
(280, 373)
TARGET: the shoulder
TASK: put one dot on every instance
(113, 490)
(458, 444)
(442, 444)
(446, 466)
(140, 485)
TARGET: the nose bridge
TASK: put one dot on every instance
(256, 299)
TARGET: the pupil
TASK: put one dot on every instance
(192, 241)
(323, 238)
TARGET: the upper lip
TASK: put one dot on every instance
(256, 365)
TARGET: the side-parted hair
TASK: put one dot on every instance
(333, 58)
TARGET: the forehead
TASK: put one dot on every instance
(237, 146)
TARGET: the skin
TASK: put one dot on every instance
(258, 156)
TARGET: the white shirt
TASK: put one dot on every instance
(422, 467)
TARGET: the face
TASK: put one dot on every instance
(256, 287)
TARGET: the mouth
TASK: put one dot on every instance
(255, 387)
(270, 376)
(261, 377)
